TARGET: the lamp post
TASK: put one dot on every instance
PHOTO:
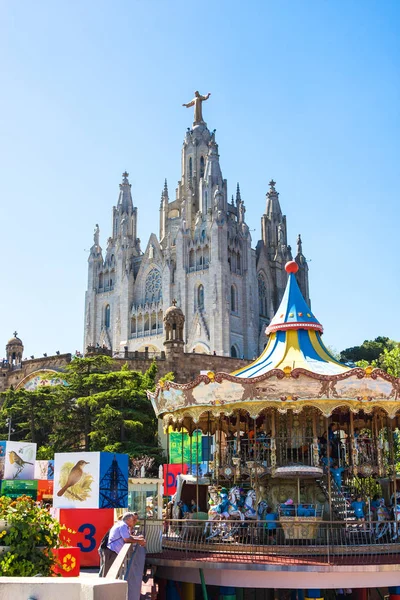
(8, 422)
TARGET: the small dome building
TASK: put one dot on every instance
(14, 350)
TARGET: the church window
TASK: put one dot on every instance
(200, 296)
(191, 258)
(262, 296)
(107, 314)
(101, 280)
(160, 320)
(146, 322)
(234, 351)
(234, 300)
(202, 166)
(238, 263)
(190, 169)
(153, 321)
(153, 288)
(133, 325)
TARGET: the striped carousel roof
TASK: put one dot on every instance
(294, 338)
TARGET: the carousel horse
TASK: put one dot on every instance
(249, 511)
(383, 526)
(261, 510)
(219, 514)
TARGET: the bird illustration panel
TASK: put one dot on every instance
(113, 491)
(20, 460)
(41, 468)
(2, 458)
(76, 480)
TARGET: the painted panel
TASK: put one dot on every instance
(20, 460)
(76, 480)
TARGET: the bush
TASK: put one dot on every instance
(31, 536)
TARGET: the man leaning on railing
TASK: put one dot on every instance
(120, 534)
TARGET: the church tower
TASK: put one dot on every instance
(202, 258)
(273, 252)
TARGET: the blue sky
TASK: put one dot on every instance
(306, 92)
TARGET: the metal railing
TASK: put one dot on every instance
(285, 452)
(298, 538)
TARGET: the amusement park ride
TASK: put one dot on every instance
(304, 456)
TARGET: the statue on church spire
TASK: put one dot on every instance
(197, 103)
(299, 245)
(96, 235)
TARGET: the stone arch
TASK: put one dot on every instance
(234, 351)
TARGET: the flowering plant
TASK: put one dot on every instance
(31, 534)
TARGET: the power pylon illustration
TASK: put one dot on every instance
(113, 487)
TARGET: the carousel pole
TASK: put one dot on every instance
(273, 442)
(315, 456)
(167, 469)
(208, 442)
(328, 456)
(190, 450)
(352, 445)
(393, 461)
(218, 452)
(182, 438)
(197, 470)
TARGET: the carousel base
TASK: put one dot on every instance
(287, 574)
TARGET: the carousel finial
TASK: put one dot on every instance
(291, 266)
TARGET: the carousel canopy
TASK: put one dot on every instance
(294, 371)
(294, 338)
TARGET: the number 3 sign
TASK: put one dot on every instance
(85, 528)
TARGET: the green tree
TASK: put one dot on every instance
(30, 414)
(370, 350)
(389, 360)
(98, 409)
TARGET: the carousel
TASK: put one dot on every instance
(295, 433)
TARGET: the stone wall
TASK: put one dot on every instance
(13, 376)
(185, 369)
(188, 366)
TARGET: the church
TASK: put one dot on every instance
(202, 259)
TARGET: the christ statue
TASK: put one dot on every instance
(197, 102)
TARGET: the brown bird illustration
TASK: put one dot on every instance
(74, 476)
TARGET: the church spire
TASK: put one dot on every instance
(165, 192)
(238, 196)
(125, 203)
(273, 210)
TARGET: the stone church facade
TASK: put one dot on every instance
(202, 258)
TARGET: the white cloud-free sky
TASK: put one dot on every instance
(304, 92)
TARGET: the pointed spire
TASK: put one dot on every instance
(212, 171)
(165, 192)
(273, 210)
(164, 195)
(232, 201)
(238, 196)
(125, 197)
